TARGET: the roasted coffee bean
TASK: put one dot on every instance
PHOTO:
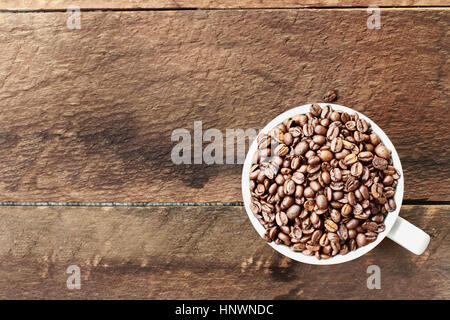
(352, 233)
(343, 232)
(326, 177)
(330, 225)
(315, 109)
(351, 198)
(329, 96)
(362, 125)
(346, 210)
(336, 174)
(382, 152)
(281, 218)
(321, 201)
(357, 169)
(308, 192)
(336, 145)
(365, 156)
(309, 205)
(377, 190)
(295, 163)
(361, 239)
(351, 184)
(352, 224)
(298, 247)
(285, 238)
(335, 215)
(325, 155)
(293, 211)
(390, 205)
(322, 183)
(289, 187)
(388, 180)
(298, 177)
(379, 163)
(344, 249)
(371, 236)
(315, 186)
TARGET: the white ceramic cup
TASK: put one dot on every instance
(397, 228)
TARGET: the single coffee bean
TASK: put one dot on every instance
(288, 139)
(298, 177)
(352, 233)
(351, 198)
(315, 109)
(293, 211)
(350, 159)
(298, 247)
(289, 187)
(298, 191)
(346, 210)
(343, 232)
(321, 202)
(379, 163)
(326, 178)
(361, 239)
(336, 145)
(301, 148)
(388, 180)
(336, 174)
(330, 225)
(325, 155)
(295, 163)
(357, 169)
(316, 237)
(281, 218)
(371, 236)
(377, 190)
(285, 238)
(308, 192)
(362, 125)
(344, 249)
(287, 202)
(352, 224)
(335, 215)
(315, 186)
(365, 156)
(309, 205)
(382, 151)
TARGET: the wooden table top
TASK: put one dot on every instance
(86, 176)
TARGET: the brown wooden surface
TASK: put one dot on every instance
(198, 253)
(87, 114)
(133, 4)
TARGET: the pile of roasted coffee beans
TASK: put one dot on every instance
(322, 183)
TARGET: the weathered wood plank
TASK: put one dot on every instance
(87, 115)
(133, 4)
(198, 253)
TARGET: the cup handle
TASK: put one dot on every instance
(409, 236)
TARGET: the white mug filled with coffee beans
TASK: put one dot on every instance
(323, 184)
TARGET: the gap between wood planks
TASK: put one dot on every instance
(166, 204)
(409, 8)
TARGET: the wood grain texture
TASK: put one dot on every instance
(136, 4)
(198, 253)
(87, 115)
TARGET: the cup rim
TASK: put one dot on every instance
(298, 256)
